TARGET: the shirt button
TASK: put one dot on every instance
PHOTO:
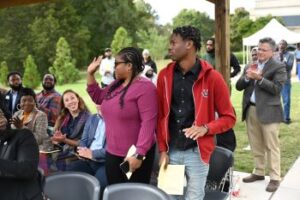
(178, 121)
(183, 78)
(179, 110)
(182, 89)
(182, 101)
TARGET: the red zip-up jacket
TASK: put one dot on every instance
(211, 96)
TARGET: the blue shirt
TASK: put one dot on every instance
(260, 68)
(98, 142)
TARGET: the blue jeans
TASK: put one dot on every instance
(298, 70)
(286, 98)
(195, 170)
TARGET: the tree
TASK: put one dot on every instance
(31, 76)
(197, 19)
(155, 41)
(64, 66)
(242, 26)
(121, 40)
(59, 20)
(4, 73)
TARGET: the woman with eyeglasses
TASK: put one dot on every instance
(129, 108)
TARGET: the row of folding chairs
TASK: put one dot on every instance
(79, 186)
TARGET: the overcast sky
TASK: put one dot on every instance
(167, 9)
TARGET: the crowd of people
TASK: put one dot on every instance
(183, 111)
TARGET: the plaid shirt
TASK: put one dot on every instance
(49, 102)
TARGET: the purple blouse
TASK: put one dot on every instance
(135, 123)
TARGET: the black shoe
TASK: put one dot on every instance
(273, 186)
(287, 121)
(252, 178)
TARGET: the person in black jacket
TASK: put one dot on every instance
(148, 60)
(13, 96)
(19, 157)
(3, 107)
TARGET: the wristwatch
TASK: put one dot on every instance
(139, 156)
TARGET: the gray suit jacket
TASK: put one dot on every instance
(267, 92)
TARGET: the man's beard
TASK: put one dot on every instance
(210, 51)
(48, 88)
(16, 88)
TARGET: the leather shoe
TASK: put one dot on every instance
(273, 186)
(252, 178)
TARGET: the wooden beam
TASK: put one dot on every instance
(11, 3)
(222, 38)
(212, 1)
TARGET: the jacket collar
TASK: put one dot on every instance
(205, 67)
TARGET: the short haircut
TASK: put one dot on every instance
(270, 41)
(189, 33)
(211, 39)
(284, 41)
(28, 92)
(13, 73)
(54, 78)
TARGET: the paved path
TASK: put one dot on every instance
(289, 188)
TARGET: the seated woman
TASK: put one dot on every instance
(31, 118)
(91, 149)
(69, 126)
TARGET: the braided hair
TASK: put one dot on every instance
(133, 56)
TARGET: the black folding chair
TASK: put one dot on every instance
(72, 186)
(220, 163)
(130, 191)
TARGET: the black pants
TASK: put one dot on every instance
(227, 140)
(115, 175)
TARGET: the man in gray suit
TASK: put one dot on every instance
(262, 111)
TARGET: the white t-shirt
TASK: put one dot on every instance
(106, 70)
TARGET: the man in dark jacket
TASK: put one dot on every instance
(13, 96)
(263, 113)
(19, 157)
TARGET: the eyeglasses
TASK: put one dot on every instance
(263, 50)
(120, 62)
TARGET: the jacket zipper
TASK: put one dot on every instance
(166, 123)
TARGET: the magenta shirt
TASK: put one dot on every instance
(135, 123)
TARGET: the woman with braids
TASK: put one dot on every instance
(129, 108)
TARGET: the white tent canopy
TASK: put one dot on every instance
(274, 30)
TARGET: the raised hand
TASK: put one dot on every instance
(94, 65)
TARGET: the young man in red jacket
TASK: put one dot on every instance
(190, 93)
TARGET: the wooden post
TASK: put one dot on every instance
(10, 3)
(222, 38)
